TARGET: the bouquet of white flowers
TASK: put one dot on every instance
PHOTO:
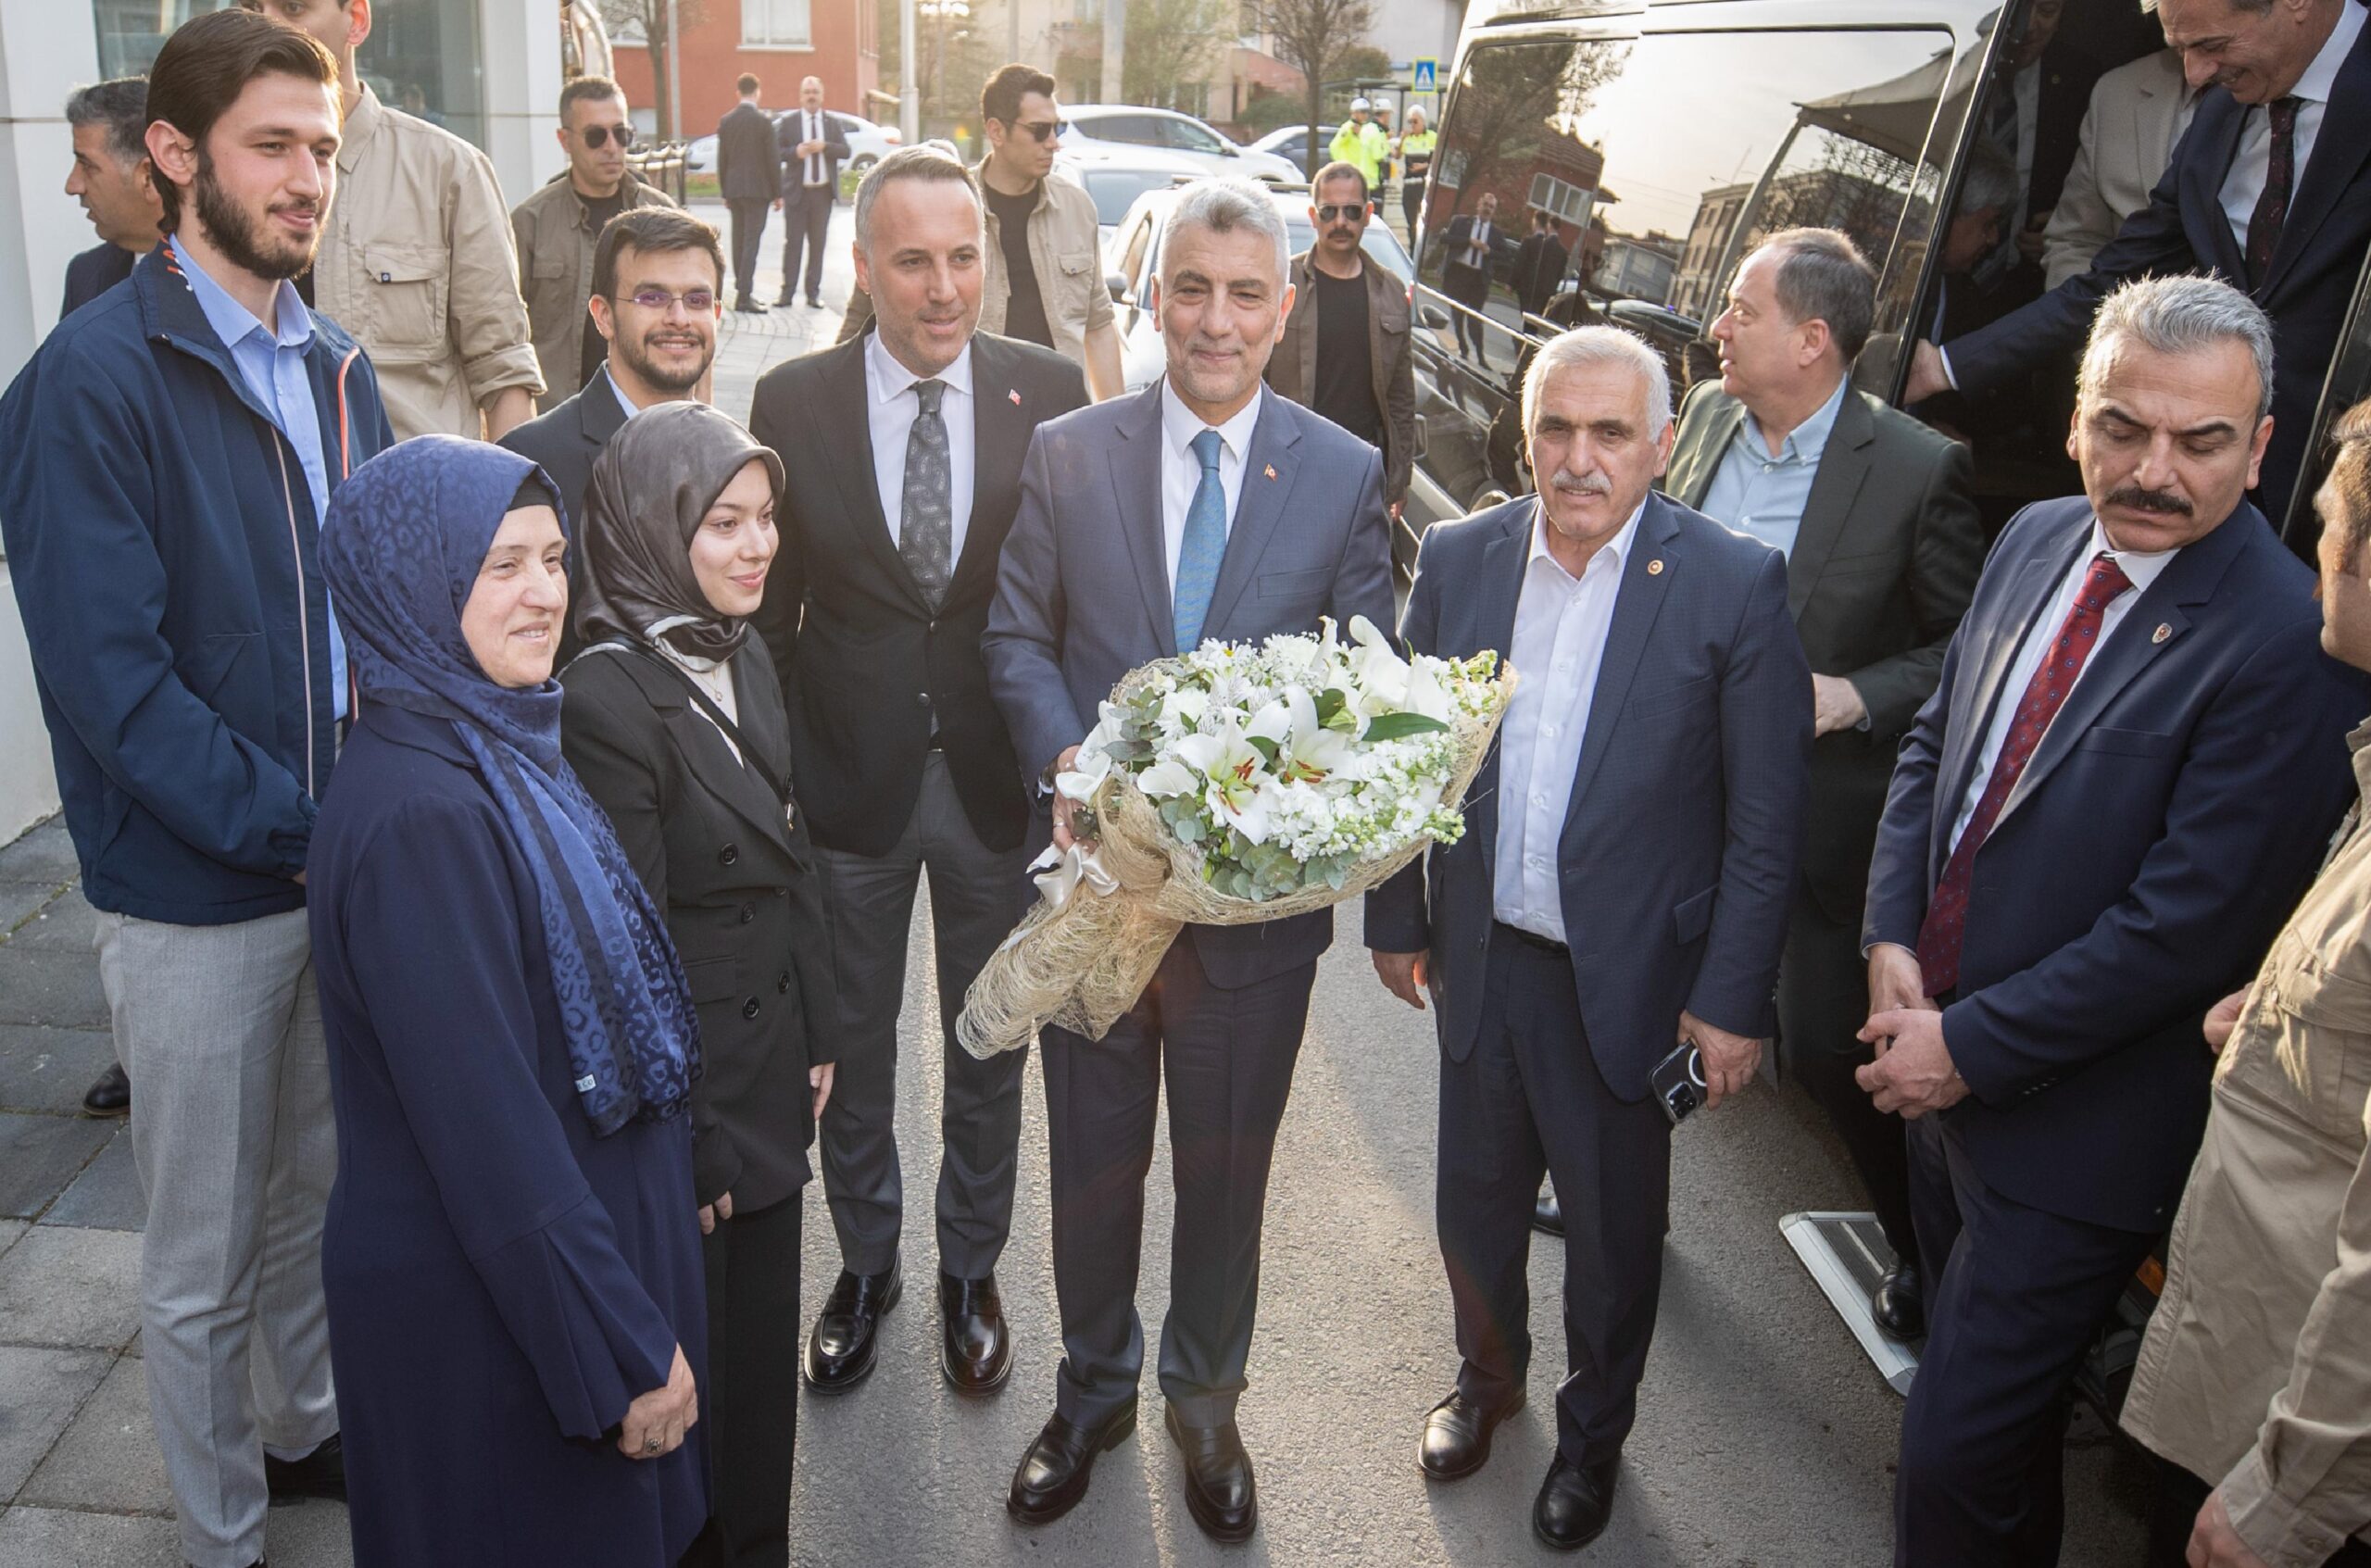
(1236, 784)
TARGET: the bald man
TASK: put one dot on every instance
(812, 142)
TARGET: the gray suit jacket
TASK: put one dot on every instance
(1677, 864)
(2129, 134)
(1881, 572)
(1083, 592)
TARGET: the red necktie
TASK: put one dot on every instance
(1946, 923)
(2271, 207)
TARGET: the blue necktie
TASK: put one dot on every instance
(1198, 552)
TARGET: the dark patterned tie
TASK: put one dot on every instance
(926, 520)
(1946, 923)
(2272, 207)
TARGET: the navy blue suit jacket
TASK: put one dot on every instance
(2184, 229)
(1680, 846)
(2167, 823)
(1083, 592)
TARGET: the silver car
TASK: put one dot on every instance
(1125, 125)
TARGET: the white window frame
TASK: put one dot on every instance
(760, 28)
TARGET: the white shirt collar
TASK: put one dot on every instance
(1180, 425)
(1616, 549)
(890, 378)
(2321, 77)
(2140, 567)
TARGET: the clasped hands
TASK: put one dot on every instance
(1912, 1074)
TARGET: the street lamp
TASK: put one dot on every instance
(910, 97)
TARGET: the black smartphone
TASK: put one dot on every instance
(1679, 1082)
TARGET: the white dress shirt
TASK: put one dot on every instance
(1477, 246)
(2252, 165)
(891, 409)
(2139, 568)
(715, 681)
(1559, 644)
(1181, 472)
(812, 120)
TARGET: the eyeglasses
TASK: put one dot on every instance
(1040, 130)
(697, 302)
(597, 136)
(1348, 212)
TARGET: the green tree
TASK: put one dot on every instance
(1170, 43)
(1311, 35)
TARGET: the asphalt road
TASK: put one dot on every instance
(1764, 1436)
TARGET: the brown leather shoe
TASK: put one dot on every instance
(1053, 1475)
(1457, 1437)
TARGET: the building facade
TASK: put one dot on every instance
(779, 41)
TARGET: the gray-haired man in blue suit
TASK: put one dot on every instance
(1622, 885)
(1203, 508)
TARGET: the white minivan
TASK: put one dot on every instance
(1086, 125)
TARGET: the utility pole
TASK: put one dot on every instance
(674, 130)
(1115, 44)
(910, 96)
(1012, 32)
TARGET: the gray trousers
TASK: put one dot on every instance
(221, 1027)
(976, 897)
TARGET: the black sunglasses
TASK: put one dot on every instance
(1345, 213)
(597, 136)
(1040, 130)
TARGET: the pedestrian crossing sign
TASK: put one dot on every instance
(1421, 75)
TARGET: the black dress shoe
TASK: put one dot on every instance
(1575, 1502)
(839, 1353)
(1899, 1303)
(1457, 1437)
(1054, 1471)
(1547, 1214)
(975, 1348)
(748, 305)
(1221, 1492)
(109, 1094)
(321, 1474)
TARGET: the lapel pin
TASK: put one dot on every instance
(1015, 396)
(1655, 567)
(2161, 634)
(1270, 471)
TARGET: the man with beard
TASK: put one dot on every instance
(110, 179)
(2125, 777)
(165, 462)
(658, 288)
(1200, 508)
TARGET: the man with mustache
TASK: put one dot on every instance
(658, 293)
(1622, 889)
(2270, 187)
(2123, 781)
(166, 463)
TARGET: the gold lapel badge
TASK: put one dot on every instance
(1655, 567)
(2161, 634)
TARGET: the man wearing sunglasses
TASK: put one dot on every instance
(558, 227)
(1044, 279)
(1344, 350)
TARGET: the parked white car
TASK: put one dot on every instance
(868, 145)
(1086, 125)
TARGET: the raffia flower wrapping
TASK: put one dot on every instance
(1236, 785)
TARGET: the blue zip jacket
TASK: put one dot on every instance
(166, 558)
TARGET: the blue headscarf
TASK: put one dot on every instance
(405, 538)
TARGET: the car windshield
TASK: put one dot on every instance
(1116, 190)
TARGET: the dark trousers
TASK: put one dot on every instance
(1471, 288)
(748, 233)
(1411, 202)
(2173, 1503)
(1227, 1057)
(806, 217)
(1980, 1482)
(1823, 1001)
(976, 897)
(1530, 1099)
(752, 1266)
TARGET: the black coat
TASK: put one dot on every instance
(1539, 267)
(94, 272)
(866, 663)
(748, 168)
(564, 441)
(705, 833)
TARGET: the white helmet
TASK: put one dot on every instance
(1358, 104)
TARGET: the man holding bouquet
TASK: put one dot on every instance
(1203, 508)
(1620, 892)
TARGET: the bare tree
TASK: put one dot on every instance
(1310, 35)
(646, 20)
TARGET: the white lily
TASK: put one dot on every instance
(1309, 752)
(1234, 773)
(1185, 709)
(1380, 673)
(1088, 769)
(1168, 777)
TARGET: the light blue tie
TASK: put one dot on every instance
(1199, 552)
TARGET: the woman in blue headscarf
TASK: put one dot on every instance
(510, 1258)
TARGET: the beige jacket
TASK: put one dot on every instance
(556, 239)
(2138, 112)
(1292, 368)
(2256, 1372)
(416, 263)
(1065, 251)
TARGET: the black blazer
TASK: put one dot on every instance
(564, 441)
(865, 661)
(748, 168)
(94, 272)
(1881, 572)
(790, 129)
(1539, 267)
(707, 836)
(1460, 236)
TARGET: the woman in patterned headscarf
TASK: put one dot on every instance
(511, 1268)
(675, 722)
